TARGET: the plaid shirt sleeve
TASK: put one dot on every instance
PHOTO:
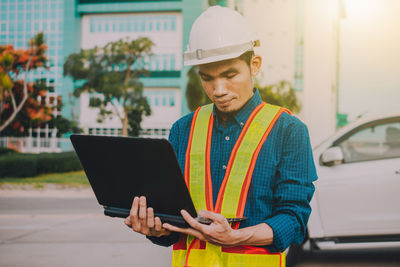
(293, 189)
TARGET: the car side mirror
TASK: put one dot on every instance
(332, 156)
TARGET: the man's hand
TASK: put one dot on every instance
(141, 219)
(219, 232)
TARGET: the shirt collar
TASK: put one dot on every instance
(241, 116)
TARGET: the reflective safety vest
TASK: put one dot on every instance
(189, 251)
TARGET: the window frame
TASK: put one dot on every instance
(366, 125)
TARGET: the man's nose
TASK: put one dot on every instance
(219, 88)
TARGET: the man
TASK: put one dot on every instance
(241, 158)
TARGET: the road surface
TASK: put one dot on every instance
(60, 228)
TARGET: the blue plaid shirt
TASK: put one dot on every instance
(281, 186)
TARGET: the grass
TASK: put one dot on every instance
(63, 180)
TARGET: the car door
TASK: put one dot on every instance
(361, 196)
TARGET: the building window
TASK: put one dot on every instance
(3, 15)
(143, 25)
(171, 100)
(165, 25)
(173, 23)
(135, 23)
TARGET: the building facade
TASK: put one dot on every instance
(167, 24)
(71, 25)
(299, 41)
(299, 44)
(20, 20)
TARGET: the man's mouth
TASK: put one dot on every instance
(224, 102)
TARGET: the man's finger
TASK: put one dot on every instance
(157, 224)
(128, 222)
(212, 215)
(178, 229)
(188, 231)
(142, 209)
(150, 218)
(192, 221)
(134, 213)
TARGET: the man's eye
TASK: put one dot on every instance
(205, 78)
(230, 76)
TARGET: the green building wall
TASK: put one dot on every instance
(75, 9)
(72, 37)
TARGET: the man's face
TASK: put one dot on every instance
(229, 83)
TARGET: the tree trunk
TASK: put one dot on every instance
(125, 124)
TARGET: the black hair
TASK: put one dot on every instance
(247, 56)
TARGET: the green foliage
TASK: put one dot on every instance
(195, 94)
(7, 151)
(67, 179)
(135, 117)
(64, 125)
(281, 94)
(113, 72)
(24, 165)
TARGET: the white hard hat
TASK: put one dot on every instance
(219, 33)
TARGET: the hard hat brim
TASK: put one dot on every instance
(199, 56)
(212, 59)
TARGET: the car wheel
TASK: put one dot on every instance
(293, 254)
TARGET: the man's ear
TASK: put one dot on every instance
(255, 65)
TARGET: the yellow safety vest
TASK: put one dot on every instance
(189, 251)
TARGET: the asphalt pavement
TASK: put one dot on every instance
(60, 228)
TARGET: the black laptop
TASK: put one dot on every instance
(120, 168)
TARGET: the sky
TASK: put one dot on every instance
(370, 57)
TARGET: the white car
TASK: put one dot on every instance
(356, 203)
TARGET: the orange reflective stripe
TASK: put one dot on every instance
(188, 252)
(181, 244)
(209, 195)
(246, 184)
(187, 159)
(197, 164)
(218, 204)
(233, 191)
(241, 167)
(286, 110)
(246, 250)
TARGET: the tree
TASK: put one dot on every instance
(112, 73)
(34, 112)
(64, 125)
(280, 94)
(19, 99)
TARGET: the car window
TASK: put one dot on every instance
(374, 142)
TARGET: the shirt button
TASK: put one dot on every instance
(224, 167)
(227, 138)
(241, 124)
